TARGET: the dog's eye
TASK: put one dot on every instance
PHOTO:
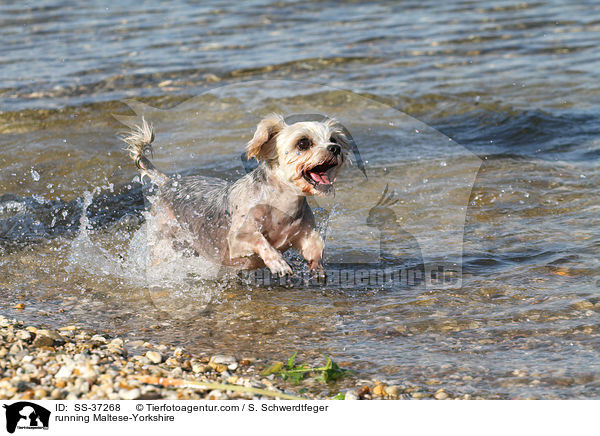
(304, 144)
(333, 140)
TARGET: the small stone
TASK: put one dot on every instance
(99, 339)
(142, 360)
(21, 385)
(24, 335)
(65, 371)
(43, 341)
(211, 78)
(138, 343)
(117, 350)
(58, 339)
(82, 385)
(40, 393)
(418, 395)
(20, 306)
(219, 367)
(87, 371)
(129, 394)
(124, 385)
(176, 372)
(351, 395)
(379, 390)
(198, 368)
(392, 391)
(82, 336)
(219, 358)
(116, 342)
(362, 392)
(441, 395)
(20, 354)
(56, 394)
(171, 361)
(16, 347)
(29, 367)
(224, 360)
(154, 356)
(216, 395)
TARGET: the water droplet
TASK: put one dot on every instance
(35, 175)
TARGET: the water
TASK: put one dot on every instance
(513, 84)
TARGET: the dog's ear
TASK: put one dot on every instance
(262, 145)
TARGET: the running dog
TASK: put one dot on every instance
(249, 223)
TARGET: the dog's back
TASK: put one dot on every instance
(200, 204)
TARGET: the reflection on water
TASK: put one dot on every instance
(512, 83)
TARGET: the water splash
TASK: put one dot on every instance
(35, 175)
(175, 280)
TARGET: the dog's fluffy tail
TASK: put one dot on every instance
(139, 141)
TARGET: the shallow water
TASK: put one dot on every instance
(510, 202)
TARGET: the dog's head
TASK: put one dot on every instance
(307, 154)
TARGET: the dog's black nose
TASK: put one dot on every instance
(334, 148)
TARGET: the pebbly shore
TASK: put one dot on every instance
(73, 363)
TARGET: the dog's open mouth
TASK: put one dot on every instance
(320, 175)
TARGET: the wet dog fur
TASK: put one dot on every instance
(249, 223)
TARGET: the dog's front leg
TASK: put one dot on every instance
(247, 243)
(310, 245)
(309, 242)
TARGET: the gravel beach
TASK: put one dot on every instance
(72, 363)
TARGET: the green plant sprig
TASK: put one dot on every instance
(296, 372)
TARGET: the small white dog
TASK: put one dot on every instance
(249, 223)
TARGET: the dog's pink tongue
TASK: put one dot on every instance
(320, 178)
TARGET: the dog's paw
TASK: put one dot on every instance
(279, 267)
